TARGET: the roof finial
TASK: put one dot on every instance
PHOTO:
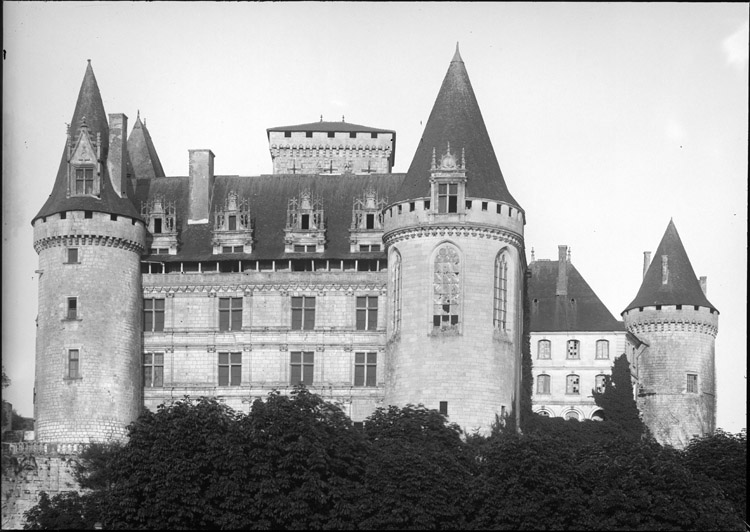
(342, 118)
(321, 118)
(568, 258)
(457, 55)
(138, 115)
(533, 258)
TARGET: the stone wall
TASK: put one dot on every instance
(30, 468)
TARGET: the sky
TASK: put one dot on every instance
(607, 121)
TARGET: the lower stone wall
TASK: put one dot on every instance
(30, 468)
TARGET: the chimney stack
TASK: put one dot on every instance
(703, 281)
(201, 185)
(562, 270)
(646, 262)
(117, 158)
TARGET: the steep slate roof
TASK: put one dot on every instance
(456, 118)
(268, 196)
(682, 287)
(142, 157)
(553, 313)
(90, 106)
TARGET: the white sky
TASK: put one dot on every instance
(607, 120)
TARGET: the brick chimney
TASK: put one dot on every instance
(117, 159)
(201, 185)
(703, 281)
(562, 270)
(646, 262)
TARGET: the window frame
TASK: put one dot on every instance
(501, 292)
(304, 366)
(447, 198)
(154, 312)
(547, 387)
(69, 252)
(73, 362)
(71, 310)
(366, 314)
(602, 354)
(83, 176)
(152, 368)
(446, 316)
(573, 387)
(691, 383)
(303, 313)
(232, 362)
(365, 369)
(600, 378)
(539, 350)
(230, 314)
(576, 354)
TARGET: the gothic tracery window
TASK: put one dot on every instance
(446, 289)
(396, 289)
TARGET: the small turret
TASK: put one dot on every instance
(677, 370)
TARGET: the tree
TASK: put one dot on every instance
(65, 511)
(419, 472)
(617, 399)
(722, 457)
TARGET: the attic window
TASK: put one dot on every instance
(287, 134)
(157, 225)
(499, 209)
(447, 198)
(352, 135)
(64, 215)
(370, 221)
(88, 214)
(308, 134)
(484, 205)
(411, 206)
(113, 217)
(331, 134)
(84, 180)
(468, 204)
(373, 135)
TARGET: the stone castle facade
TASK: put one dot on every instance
(370, 287)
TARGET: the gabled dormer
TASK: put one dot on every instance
(305, 230)
(366, 231)
(161, 221)
(448, 182)
(84, 162)
(233, 228)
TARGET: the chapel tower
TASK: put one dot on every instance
(89, 238)
(676, 372)
(454, 237)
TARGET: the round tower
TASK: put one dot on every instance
(454, 237)
(676, 371)
(89, 239)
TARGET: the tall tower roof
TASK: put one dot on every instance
(456, 119)
(670, 281)
(142, 156)
(89, 111)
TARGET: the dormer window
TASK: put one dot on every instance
(448, 180)
(366, 232)
(305, 224)
(84, 167)
(233, 228)
(161, 220)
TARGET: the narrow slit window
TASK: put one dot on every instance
(72, 308)
(446, 288)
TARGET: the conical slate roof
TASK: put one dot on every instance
(682, 286)
(456, 119)
(90, 107)
(142, 156)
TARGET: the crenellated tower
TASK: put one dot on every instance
(676, 372)
(454, 237)
(89, 238)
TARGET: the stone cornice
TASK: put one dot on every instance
(440, 230)
(88, 240)
(670, 326)
(249, 288)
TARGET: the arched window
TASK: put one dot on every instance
(446, 288)
(574, 349)
(543, 413)
(396, 289)
(573, 385)
(542, 385)
(544, 350)
(602, 349)
(572, 414)
(600, 382)
(501, 291)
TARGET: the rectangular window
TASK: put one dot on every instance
(444, 407)
(600, 382)
(352, 135)
(447, 198)
(84, 181)
(365, 369)
(302, 365)
(73, 364)
(542, 384)
(153, 370)
(304, 248)
(230, 369)
(331, 134)
(72, 255)
(369, 247)
(573, 385)
(484, 205)
(287, 134)
(303, 313)
(72, 308)
(157, 226)
(574, 347)
(602, 349)
(230, 313)
(232, 219)
(153, 315)
(367, 313)
(544, 350)
(692, 383)
(427, 205)
(370, 221)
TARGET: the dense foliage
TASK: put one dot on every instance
(298, 462)
(617, 399)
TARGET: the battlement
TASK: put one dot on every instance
(89, 227)
(672, 318)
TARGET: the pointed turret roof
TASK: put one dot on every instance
(89, 110)
(456, 119)
(682, 286)
(142, 157)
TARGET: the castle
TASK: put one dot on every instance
(370, 287)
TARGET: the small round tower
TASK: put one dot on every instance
(89, 238)
(454, 237)
(676, 371)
